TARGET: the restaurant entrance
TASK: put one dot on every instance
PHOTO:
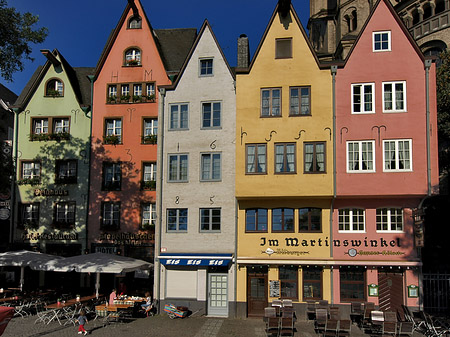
(390, 288)
(256, 290)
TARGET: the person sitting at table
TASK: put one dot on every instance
(147, 306)
(112, 296)
(122, 288)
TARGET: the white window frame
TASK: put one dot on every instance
(213, 115)
(112, 175)
(35, 169)
(133, 54)
(112, 91)
(65, 212)
(363, 102)
(148, 213)
(208, 212)
(206, 171)
(179, 168)
(137, 89)
(176, 124)
(149, 172)
(115, 129)
(374, 34)
(351, 224)
(389, 223)
(40, 126)
(201, 61)
(397, 157)
(62, 123)
(150, 88)
(282, 155)
(177, 221)
(150, 126)
(110, 214)
(269, 103)
(394, 99)
(124, 90)
(360, 152)
(67, 169)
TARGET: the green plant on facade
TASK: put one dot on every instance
(111, 139)
(29, 181)
(53, 93)
(149, 139)
(137, 98)
(125, 98)
(112, 99)
(50, 136)
(148, 226)
(148, 185)
(132, 62)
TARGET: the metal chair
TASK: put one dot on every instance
(310, 310)
(331, 328)
(357, 312)
(272, 326)
(287, 326)
(345, 326)
(321, 320)
(389, 329)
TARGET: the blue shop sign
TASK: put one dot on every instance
(168, 259)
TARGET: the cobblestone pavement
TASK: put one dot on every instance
(161, 326)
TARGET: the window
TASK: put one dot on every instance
(381, 41)
(40, 126)
(54, 88)
(256, 155)
(394, 96)
(312, 283)
(352, 284)
(112, 176)
(314, 160)
(390, 219)
(113, 131)
(206, 67)
(150, 89)
(352, 220)
(282, 220)
(66, 171)
(133, 57)
(110, 215)
(112, 93)
(211, 166)
(179, 116)
(397, 155)
(211, 115)
(29, 215)
(148, 214)
(178, 167)
(285, 158)
(149, 176)
(125, 91)
(271, 102)
(256, 220)
(135, 22)
(288, 276)
(360, 156)
(31, 170)
(283, 48)
(210, 219)
(177, 220)
(310, 219)
(363, 98)
(61, 125)
(65, 214)
(150, 127)
(300, 101)
(137, 90)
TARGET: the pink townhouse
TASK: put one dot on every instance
(386, 163)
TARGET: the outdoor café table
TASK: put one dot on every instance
(111, 311)
(56, 311)
(10, 299)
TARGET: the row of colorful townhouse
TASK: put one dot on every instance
(285, 178)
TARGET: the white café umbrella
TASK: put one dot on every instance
(26, 258)
(99, 263)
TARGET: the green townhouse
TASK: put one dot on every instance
(51, 147)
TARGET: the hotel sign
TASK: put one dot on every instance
(50, 192)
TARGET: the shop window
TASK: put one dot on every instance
(352, 284)
(312, 283)
(288, 276)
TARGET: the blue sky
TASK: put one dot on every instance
(79, 28)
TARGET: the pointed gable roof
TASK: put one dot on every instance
(191, 52)
(282, 7)
(78, 78)
(173, 44)
(399, 22)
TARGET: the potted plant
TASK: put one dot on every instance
(137, 98)
(148, 226)
(132, 62)
(60, 136)
(151, 98)
(149, 139)
(111, 139)
(29, 181)
(112, 99)
(148, 185)
(125, 98)
(52, 93)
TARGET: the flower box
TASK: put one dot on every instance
(29, 181)
(150, 139)
(111, 140)
(148, 185)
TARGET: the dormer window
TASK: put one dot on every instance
(381, 41)
(135, 22)
(133, 57)
(54, 88)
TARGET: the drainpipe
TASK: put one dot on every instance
(333, 82)
(235, 255)
(160, 166)
(88, 157)
(427, 89)
(15, 152)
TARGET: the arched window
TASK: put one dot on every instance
(133, 57)
(440, 6)
(427, 11)
(416, 17)
(135, 22)
(54, 87)
(354, 20)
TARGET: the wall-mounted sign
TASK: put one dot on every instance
(413, 291)
(373, 289)
(325, 242)
(126, 238)
(274, 287)
(50, 193)
(49, 236)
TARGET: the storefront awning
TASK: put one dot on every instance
(189, 259)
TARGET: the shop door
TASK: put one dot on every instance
(218, 295)
(256, 294)
(390, 291)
